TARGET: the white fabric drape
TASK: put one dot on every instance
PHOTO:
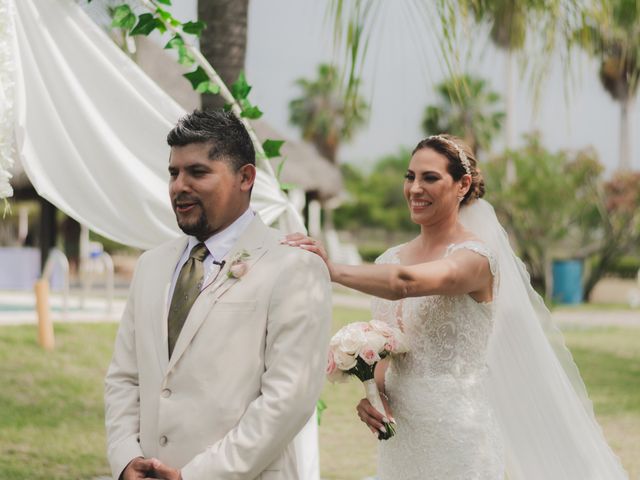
(7, 83)
(91, 129)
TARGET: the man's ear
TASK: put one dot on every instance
(248, 177)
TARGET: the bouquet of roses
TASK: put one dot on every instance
(356, 349)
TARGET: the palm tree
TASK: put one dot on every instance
(467, 109)
(323, 115)
(224, 41)
(510, 20)
(611, 33)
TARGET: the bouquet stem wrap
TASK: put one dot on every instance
(373, 395)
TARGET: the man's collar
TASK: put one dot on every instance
(220, 243)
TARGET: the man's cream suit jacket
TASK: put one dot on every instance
(246, 371)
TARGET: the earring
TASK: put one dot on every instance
(460, 199)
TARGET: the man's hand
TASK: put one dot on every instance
(138, 468)
(160, 470)
(147, 468)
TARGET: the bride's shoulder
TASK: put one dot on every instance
(476, 245)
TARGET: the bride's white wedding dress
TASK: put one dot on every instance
(446, 429)
(488, 391)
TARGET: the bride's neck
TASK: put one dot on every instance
(440, 233)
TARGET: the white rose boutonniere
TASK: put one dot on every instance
(239, 265)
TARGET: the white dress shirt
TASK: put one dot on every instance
(218, 245)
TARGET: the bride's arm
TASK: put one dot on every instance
(462, 272)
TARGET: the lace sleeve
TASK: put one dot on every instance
(481, 249)
(389, 311)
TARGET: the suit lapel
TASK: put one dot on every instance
(252, 241)
(172, 255)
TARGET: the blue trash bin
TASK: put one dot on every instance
(567, 281)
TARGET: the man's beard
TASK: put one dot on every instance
(200, 229)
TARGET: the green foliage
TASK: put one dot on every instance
(507, 18)
(560, 207)
(610, 32)
(550, 22)
(272, 148)
(548, 206)
(618, 227)
(369, 253)
(160, 19)
(200, 81)
(147, 23)
(240, 90)
(185, 57)
(194, 28)
(377, 199)
(323, 115)
(123, 17)
(466, 109)
(625, 267)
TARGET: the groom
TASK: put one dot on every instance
(219, 358)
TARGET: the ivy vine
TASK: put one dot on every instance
(203, 78)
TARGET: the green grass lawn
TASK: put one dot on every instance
(51, 413)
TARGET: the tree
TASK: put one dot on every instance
(467, 109)
(617, 226)
(550, 206)
(323, 115)
(508, 23)
(357, 21)
(224, 41)
(377, 199)
(611, 33)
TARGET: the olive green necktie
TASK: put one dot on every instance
(185, 292)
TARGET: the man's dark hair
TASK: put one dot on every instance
(222, 130)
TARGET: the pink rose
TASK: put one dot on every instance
(331, 364)
(370, 356)
(391, 345)
(238, 269)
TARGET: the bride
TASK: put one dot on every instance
(488, 389)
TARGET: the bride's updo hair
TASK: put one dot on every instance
(451, 147)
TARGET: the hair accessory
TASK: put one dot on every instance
(463, 157)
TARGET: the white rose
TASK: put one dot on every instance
(382, 327)
(375, 341)
(344, 361)
(352, 341)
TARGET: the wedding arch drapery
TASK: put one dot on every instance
(90, 127)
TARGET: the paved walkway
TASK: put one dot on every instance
(18, 308)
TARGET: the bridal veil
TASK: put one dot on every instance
(538, 396)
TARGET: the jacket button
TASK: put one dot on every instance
(166, 393)
(163, 440)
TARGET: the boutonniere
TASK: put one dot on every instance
(239, 265)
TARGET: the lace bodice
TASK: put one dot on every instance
(447, 334)
(445, 427)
